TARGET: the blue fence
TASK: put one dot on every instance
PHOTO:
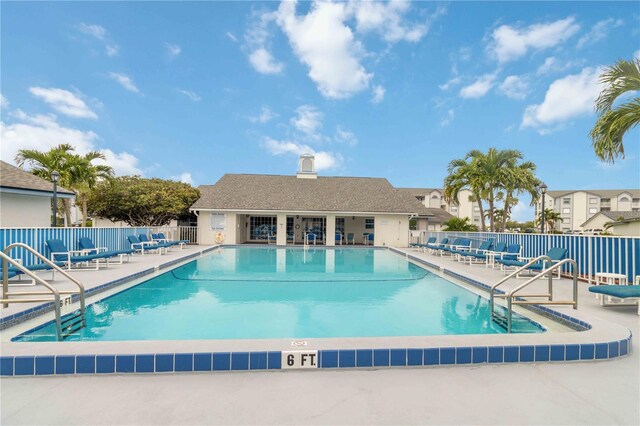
(593, 254)
(112, 238)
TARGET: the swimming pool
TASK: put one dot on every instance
(267, 293)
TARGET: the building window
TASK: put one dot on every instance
(476, 209)
(340, 225)
(566, 201)
(566, 210)
(289, 227)
(476, 219)
(420, 197)
(369, 223)
(454, 209)
(260, 227)
(593, 201)
(435, 197)
(624, 200)
(605, 200)
(605, 209)
(636, 200)
(593, 210)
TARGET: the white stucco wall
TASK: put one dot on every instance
(17, 210)
(391, 230)
(631, 229)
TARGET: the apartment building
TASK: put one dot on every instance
(577, 206)
(433, 198)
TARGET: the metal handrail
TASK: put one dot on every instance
(549, 271)
(514, 273)
(5, 283)
(56, 294)
(53, 266)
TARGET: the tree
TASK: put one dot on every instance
(518, 179)
(85, 176)
(550, 219)
(44, 163)
(459, 224)
(463, 175)
(141, 202)
(613, 123)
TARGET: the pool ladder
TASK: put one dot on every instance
(64, 326)
(513, 297)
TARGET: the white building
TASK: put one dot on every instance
(25, 199)
(577, 206)
(244, 208)
(433, 198)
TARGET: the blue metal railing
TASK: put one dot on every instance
(592, 253)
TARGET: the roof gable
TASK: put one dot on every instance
(16, 178)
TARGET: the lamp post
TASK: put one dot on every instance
(55, 177)
(543, 190)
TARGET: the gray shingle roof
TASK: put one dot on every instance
(243, 192)
(14, 177)
(602, 193)
(615, 216)
(419, 191)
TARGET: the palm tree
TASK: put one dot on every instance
(519, 179)
(613, 123)
(85, 176)
(463, 175)
(550, 219)
(44, 163)
(458, 224)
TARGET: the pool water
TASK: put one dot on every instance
(263, 293)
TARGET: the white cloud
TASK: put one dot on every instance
(448, 119)
(388, 20)
(265, 116)
(231, 36)
(125, 81)
(378, 94)
(112, 49)
(515, 87)
(64, 102)
(122, 163)
(257, 43)
(190, 94)
(599, 31)
(522, 212)
(4, 103)
(100, 33)
(323, 159)
(566, 98)
(346, 137)
(93, 30)
(510, 43)
(263, 61)
(479, 88)
(454, 81)
(326, 45)
(184, 177)
(637, 54)
(173, 50)
(308, 120)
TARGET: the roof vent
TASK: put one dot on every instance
(307, 167)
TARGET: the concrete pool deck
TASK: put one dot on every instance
(597, 392)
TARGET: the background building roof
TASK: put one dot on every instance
(16, 178)
(288, 193)
(602, 193)
(417, 192)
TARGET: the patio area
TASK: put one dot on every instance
(595, 392)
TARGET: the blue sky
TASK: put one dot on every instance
(191, 91)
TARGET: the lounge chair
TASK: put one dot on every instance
(86, 245)
(351, 238)
(142, 246)
(434, 247)
(463, 255)
(625, 292)
(556, 254)
(13, 271)
(458, 244)
(339, 238)
(368, 239)
(426, 245)
(145, 239)
(60, 253)
(161, 238)
(512, 252)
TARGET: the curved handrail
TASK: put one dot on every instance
(574, 272)
(53, 266)
(514, 273)
(6, 259)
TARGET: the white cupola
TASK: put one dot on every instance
(307, 167)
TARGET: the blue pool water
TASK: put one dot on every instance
(261, 293)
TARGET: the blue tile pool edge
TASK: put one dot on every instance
(158, 363)
(44, 308)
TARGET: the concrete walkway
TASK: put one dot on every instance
(564, 393)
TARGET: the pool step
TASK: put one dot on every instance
(72, 323)
(499, 319)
